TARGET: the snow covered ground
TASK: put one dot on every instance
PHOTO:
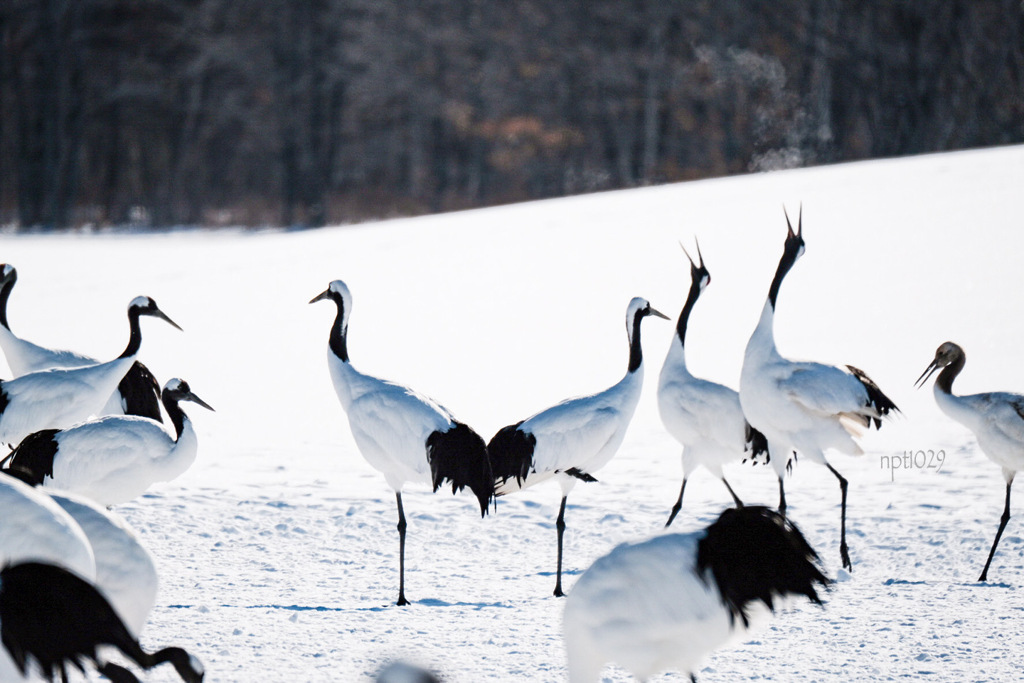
(278, 549)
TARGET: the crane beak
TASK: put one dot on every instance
(163, 316)
(928, 372)
(321, 296)
(195, 399)
(659, 314)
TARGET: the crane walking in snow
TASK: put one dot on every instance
(669, 602)
(574, 438)
(404, 435)
(996, 418)
(805, 407)
(705, 417)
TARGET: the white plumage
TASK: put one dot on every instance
(125, 570)
(37, 529)
(805, 407)
(406, 436)
(58, 398)
(704, 416)
(114, 459)
(137, 392)
(573, 439)
(669, 602)
(996, 419)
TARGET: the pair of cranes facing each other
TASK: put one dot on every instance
(411, 438)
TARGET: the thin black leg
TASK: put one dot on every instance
(735, 498)
(678, 506)
(782, 498)
(1002, 525)
(401, 551)
(844, 552)
(560, 525)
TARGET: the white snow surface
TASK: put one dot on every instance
(278, 551)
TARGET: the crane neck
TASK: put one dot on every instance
(684, 315)
(338, 340)
(789, 257)
(5, 294)
(135, 337)
(944, 382)
(636, 355)
(177, 415)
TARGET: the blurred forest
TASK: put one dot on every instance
(304, 112)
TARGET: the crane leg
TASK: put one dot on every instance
(735, 498)
(401, 551)
(560, 526)
(844, 551)
(678, 506)
(1002, 525)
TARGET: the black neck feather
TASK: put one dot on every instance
(339, 334)
(636, 356)
(5, 294)
(684, 315)
(135, 339)
(789, 256)
(174, 412)
(945, 379)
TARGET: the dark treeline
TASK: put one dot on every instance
(301, 112)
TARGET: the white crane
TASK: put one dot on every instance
(805, 407)
(138, 393)
(669, 602)
(113, 459)
(125, 570)
(58, 398)
(996, 419)
(54, 621)
(402, 434)
(705, 417)
(575, 438)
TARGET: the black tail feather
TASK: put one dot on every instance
(754, 553)
(511, 453)
(34, 457)
(140, 393)
(459, 456)
(756, 444)
(879, 401)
